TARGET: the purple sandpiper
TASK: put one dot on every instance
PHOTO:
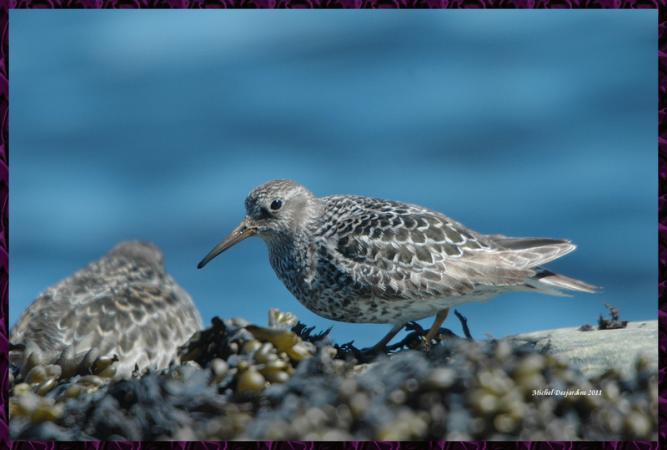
(359, 259)
(123, 305)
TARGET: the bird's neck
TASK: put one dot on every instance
(290, 259)
(288, 244)
(291, 256)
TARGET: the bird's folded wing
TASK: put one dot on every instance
(403, 251)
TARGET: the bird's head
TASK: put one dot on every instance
(275, 210)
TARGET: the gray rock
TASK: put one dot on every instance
(595, 351)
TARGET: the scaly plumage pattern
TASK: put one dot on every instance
(358, 259)
(123, 304)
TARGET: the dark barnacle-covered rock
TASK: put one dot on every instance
(461, 390)
(236, 380)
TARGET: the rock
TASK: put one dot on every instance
(235, 383)
(595, 351)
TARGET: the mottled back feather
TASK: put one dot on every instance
(408, 252)
(123, 304)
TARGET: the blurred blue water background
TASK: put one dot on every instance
(154, 125)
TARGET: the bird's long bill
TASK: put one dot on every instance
(240, 233)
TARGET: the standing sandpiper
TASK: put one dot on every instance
(360, 259)
(123, 304)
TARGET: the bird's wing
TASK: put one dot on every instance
(405, 251)
(528, 252)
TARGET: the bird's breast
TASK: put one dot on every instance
(294, 266)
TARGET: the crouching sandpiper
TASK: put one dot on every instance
(123, 305)
(359, 259)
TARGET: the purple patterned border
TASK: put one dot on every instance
(4, 213)
(553, 4)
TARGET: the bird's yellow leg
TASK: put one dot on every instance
(382, 344)
(439, 319)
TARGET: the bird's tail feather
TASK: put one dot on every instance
(552, 283)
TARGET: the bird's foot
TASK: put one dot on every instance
(437, 334)
(413, 340)
(425, 345)
(441, 335)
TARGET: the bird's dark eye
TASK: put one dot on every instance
(276, 205)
